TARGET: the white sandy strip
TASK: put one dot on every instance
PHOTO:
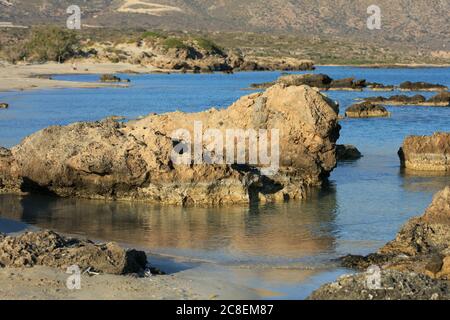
(142, 6)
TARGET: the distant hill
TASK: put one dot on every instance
(416, 22)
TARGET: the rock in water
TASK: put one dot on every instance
(416, 265)
(426, 153)
(50, 249)
(347, 152)
(421, 86)
(366, 110)
(4, 105)
(132, 161)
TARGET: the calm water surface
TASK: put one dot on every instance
(285, 250)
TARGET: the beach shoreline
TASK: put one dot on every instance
(38, 76)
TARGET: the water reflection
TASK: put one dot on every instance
(229, 234)
(424, 181)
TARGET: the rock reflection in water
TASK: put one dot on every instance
(290, 230)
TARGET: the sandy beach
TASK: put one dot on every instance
(33, 76)
(43, 283)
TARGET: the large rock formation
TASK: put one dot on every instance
(50, 249)
(132, 161)
(426, 153)
(366, 110)
(422, 247)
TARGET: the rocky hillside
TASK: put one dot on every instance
(421, 22)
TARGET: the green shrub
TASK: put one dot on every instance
(174, 43)
(51, 44)
(153, 35)
(208, 45)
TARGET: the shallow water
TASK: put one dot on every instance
(284, 250)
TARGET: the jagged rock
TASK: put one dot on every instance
(132, 161)
(347, 152)
(426, 153)
(366, 110)
(415, 265)
(394, 286)
(4, 105)
(421, 246)
(50, 249)
(421, 86)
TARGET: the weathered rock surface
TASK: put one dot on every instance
(366, 110)
(320, 81)
(440, 100)
(132, 161)
(50, 249)
(395, 286)
(347, 152)
(4, 105)
(426, 153)
(419, 258)
(421, 86)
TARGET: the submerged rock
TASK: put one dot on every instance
(418, 260)
(132, 161)
(426, 153)
(4, 105)
(50, 249)
(366, 110)
(347, 152)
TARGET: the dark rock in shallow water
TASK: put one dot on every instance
(112, 78)
(366, 110)
(347, 152)
(441, 99)
(394, 285)
(421, 86)
(50, 249)
(4, 105)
